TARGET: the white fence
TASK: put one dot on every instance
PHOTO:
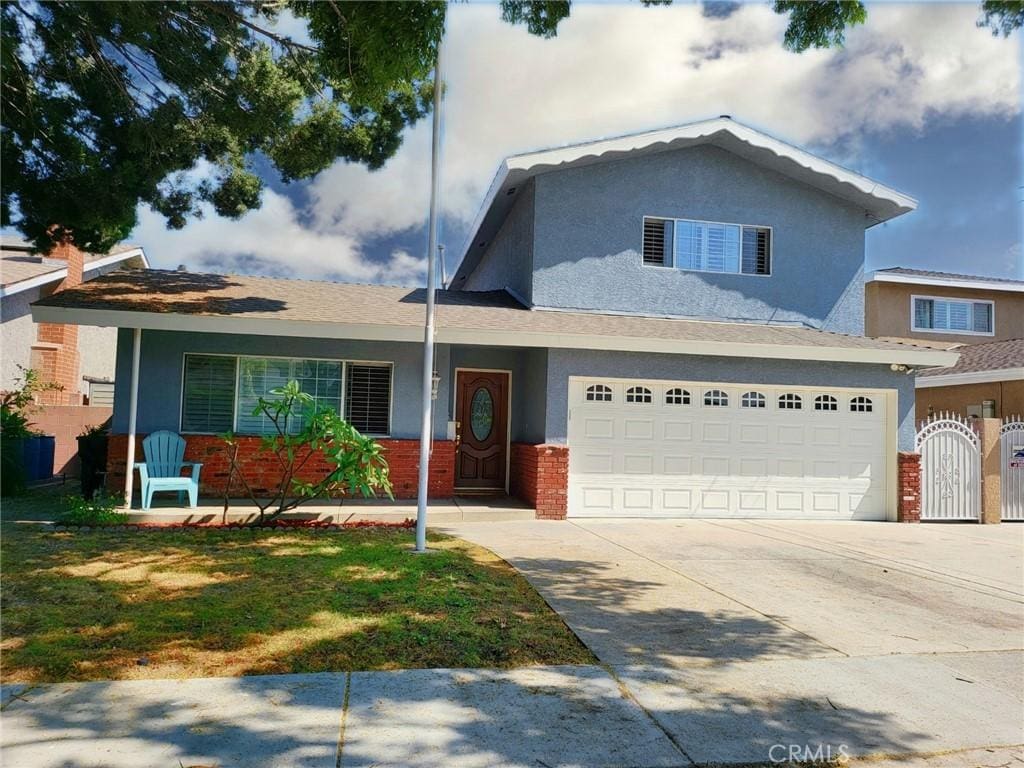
(1011, 468)
(950, 469)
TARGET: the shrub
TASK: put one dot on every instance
(102, 509)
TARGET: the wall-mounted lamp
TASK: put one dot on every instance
(435, 382)
(988, 409)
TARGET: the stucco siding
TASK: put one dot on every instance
(565, 363)
(888, 312)
(97, 353)
(1008, 397)
(162, 357)
(587, 239)
(508, 260)
(17, 335)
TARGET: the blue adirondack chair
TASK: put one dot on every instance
(162, 471)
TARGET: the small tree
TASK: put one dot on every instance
(357, 464)
(16, 407)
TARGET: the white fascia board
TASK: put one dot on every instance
(750, 136)
(976, 284)
(59, 274)
(106, 261)
(33, 282)
(476, 336)
(970, 377)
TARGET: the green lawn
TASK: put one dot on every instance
(119, 605)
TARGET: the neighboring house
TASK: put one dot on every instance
(79, 358)
(923, 305)
(661, 324)
(988, 381)
(980, 317)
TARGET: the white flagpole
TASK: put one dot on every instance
(426, 432)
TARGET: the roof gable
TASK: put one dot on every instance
(878, 200)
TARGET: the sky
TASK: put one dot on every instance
(919, 98)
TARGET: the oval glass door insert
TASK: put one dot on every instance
(481, 417)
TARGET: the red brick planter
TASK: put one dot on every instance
(262, 472)
(539, 475)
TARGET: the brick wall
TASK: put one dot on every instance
(539, 475)
(908, 485)
(55, 353)
(66, 423)
(263, 474)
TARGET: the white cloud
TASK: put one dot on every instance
(270, 241)
(619, 69)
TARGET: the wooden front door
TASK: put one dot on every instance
(481, 410)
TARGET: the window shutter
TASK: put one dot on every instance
(657, 242)
(982, 318)
(368, 398)
(756, 251)
(208, 400)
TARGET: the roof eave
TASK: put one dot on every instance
(880, 276)
(262, 326)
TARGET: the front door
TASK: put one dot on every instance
(481, 411)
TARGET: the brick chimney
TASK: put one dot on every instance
(55, 353)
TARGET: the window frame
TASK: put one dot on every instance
(598, 394)
(789, 401)
(756, 396)
(913, 315)
(714, 394)
(826, 403)
(638, 390)
(344, 361)
(674, 267)
(685, 398)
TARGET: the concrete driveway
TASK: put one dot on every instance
(737, 636)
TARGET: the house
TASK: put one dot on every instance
(69, 355)
(980, 317)
(80, 358)
(664, 324)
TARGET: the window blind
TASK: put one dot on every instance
(368, 398)
(208, 399)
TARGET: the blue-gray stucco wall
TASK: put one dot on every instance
(587, 236)
(508, 260)
(528, 368)
(563, 363)
(162, 356)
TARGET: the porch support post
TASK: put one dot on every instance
(133, 409)
(426, 431)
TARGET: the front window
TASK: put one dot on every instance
(222, 391)
(952, 315)
(707, 246)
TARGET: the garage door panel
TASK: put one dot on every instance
(669, 459)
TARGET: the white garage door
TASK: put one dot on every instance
(690, 449)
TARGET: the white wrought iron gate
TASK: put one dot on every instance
(950, 469)
(1011, 469)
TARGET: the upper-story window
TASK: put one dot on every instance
(940, 315)
(707, 246)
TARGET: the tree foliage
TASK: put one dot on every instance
(108, 105)
(303, 432)
(819, 24)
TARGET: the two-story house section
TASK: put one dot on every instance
(664, 324)
(981, 317)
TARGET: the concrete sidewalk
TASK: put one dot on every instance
(554, 716)
(542, 716)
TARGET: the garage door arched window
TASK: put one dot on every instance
(677, 396)
(753, 400)
(638, 395)
(716, 398)
(861, 404)
(826, 403)
(790, 402)
(599, 393)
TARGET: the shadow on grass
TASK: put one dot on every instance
(197, 603)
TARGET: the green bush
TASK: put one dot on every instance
(102, 509)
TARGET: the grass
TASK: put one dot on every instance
(124, 605)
